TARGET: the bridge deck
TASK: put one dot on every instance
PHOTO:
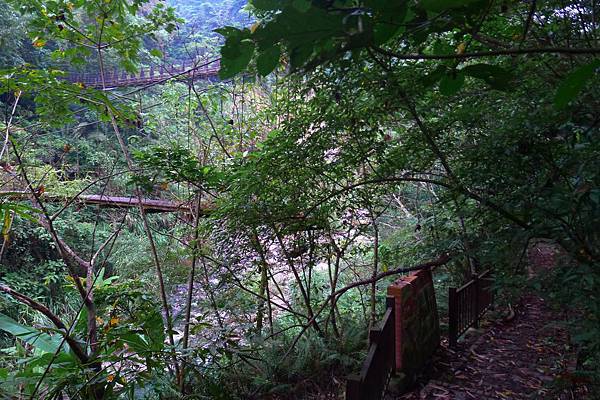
(150, 205)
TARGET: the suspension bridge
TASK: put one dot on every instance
(107, 201)
(152, 75)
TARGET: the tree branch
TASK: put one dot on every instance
(79, 352)
(335, 295)
(482, 54)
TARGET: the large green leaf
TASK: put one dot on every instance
(574, 83)
(265, 5)
(228, 31)
(155, 330)
(301, 5)
(384, 31)
(136, 342)
(389, 20)
(496, 77)
(235, 57)
(237, 51)
(389, 26)
(34, 337)
(300, 55)
(267, 60)
(451, 83)
(433, 77)
(442, 5)
(62, 363)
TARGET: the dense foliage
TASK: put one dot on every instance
(345, 141)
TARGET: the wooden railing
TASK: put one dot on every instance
(467, 304)
(374, 376)
(145, 76)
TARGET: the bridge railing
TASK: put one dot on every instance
(377, 369)
(152, 74)
(467, 304)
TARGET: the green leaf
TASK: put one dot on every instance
(496, 77)
(235, 56)
(384, 31)
(63, 361)
(301, 5)
(81, 324)
(156, 53)
(24, 211)
(442, 5)
(41, 340)
(431, 78)
(389, 20)
(300, 55)
(154, 330)
(228, 31)
(267, 60)
(574, 83)
(451, 83)
(265, 5)
(6, 226)
(135, 341)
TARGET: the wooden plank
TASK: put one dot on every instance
(372, 380)
(353, 387)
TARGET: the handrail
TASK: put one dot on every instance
(379, 365)
(467, 304)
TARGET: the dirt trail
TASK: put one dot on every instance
(524, 358)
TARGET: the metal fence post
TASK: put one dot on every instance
(452, 317)
(476, 300)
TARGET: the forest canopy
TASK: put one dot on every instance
(264, 210)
